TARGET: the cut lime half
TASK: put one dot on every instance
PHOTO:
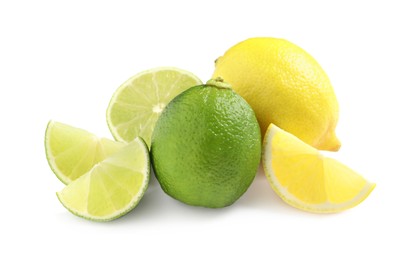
(112, 187)
(136, 105)
(71, 151)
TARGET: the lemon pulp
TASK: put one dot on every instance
(306, 179)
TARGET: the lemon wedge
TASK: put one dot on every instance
(306, 179)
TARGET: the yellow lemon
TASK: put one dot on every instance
(285, 86)
(306, 179)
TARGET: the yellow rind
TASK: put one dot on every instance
(285, 86)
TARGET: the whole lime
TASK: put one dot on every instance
(206, 146)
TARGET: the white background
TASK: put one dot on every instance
(63, 60)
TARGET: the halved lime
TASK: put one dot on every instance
(137, 103)
(112, 187)
(71, 152)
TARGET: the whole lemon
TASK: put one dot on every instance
(285, 86)
(206, 146)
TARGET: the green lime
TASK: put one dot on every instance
(206, 146)
(112, 187)
(71, 152)
(137, 103)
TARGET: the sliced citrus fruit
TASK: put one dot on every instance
(112, 187)
(71, 152)
(306, 179)
(136, 105)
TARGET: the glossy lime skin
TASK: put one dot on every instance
(206, 147)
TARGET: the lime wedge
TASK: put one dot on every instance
(71, 152)
(137, 103)
(112, 187)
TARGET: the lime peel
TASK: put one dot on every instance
(206, 147)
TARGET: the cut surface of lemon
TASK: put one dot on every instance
(112, 187)
(136, 105)
(71, 151)
(306, 179)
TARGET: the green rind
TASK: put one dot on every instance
(193, 146)
(130, 206)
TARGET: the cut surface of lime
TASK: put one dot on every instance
(136, 105)
(306, 179)
(112, 187)
(71, 151)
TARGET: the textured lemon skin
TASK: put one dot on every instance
(206, 147)
(285, 86)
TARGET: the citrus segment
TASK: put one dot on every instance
(306, 179)
(112, 187)
(71, 151)
(137, 103)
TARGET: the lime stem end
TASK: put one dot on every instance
(219, 83)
